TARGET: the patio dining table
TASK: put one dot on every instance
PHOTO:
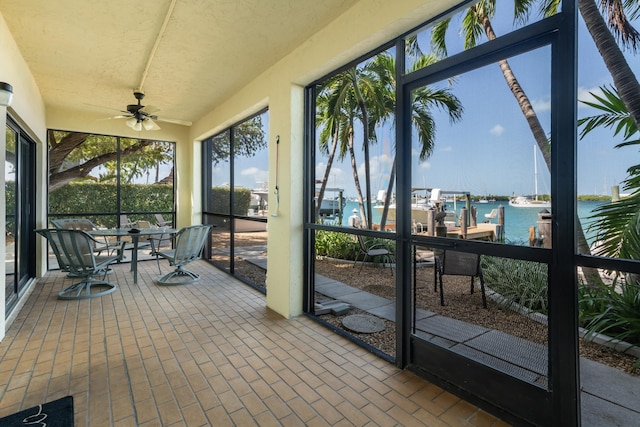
(135, 238)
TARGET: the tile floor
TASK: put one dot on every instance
(204, 354)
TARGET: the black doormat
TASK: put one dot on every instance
(58, 413)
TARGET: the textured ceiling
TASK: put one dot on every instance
(188, 55)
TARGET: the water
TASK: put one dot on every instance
(517, 220)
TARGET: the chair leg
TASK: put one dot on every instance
(436, 268)
(441, 291)
(88, 288)
(179, 272)
(484, 297)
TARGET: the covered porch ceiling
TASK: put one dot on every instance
(188, 56)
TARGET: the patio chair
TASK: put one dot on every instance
(188, 246)
(85, 225)
(75, 252)
(162, 222)
(456, 263)
(125, 223)
(491, 215)
(372, 251)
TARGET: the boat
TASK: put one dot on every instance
(331, 206)
(420, 207)
(527, 202)
(260, 197)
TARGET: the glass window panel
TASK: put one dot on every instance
(219, 197)
(220, 241)
(607, 174)
(251, 198)
(471, 26)
(10, 213)
(248, 236)
(509, 335)
(146, 176)
(484, 158)
(609, 318)
(82, 180)
(348, 172)
(350, 283)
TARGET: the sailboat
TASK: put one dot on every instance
(526, 202)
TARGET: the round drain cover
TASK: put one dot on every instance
(363, 323)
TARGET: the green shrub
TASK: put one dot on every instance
(518, 282)
(219, 200)
(345, 246)
(612, 310)
(336, 245)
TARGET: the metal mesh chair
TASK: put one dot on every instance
(458, 264)
(372, 251)
(85, 225)
(189, 242)
(75, 252)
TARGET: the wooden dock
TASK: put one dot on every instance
(482, 231)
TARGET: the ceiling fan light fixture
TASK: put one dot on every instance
(131, 122)
(137, 127)
(148, 124)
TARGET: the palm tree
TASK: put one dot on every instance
(338, 112)
(327, 118)
(422, 101)
(350, 96)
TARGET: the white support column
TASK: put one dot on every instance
(284, 268)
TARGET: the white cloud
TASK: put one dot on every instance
(424, 165)
(256, 175)
(497, 130)
(446, 149)
(250, 171)
(541, 105)
(584, 94)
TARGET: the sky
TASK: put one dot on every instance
(491, 150)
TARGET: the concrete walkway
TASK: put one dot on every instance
(609, 396)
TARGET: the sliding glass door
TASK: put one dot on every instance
(19, 213)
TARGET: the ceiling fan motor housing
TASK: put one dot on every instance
(134, 108)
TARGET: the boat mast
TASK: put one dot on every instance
(535, 171)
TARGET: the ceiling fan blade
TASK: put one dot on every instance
(174, 121)
(116, 117)
(150, 109)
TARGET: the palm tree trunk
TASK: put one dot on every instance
(327, 171)
(365, 145)
(591, 275)
(623, 78)
(387, 197)
(356, 180)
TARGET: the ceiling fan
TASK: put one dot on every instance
(140, 117)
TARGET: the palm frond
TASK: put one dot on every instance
(615, 114)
